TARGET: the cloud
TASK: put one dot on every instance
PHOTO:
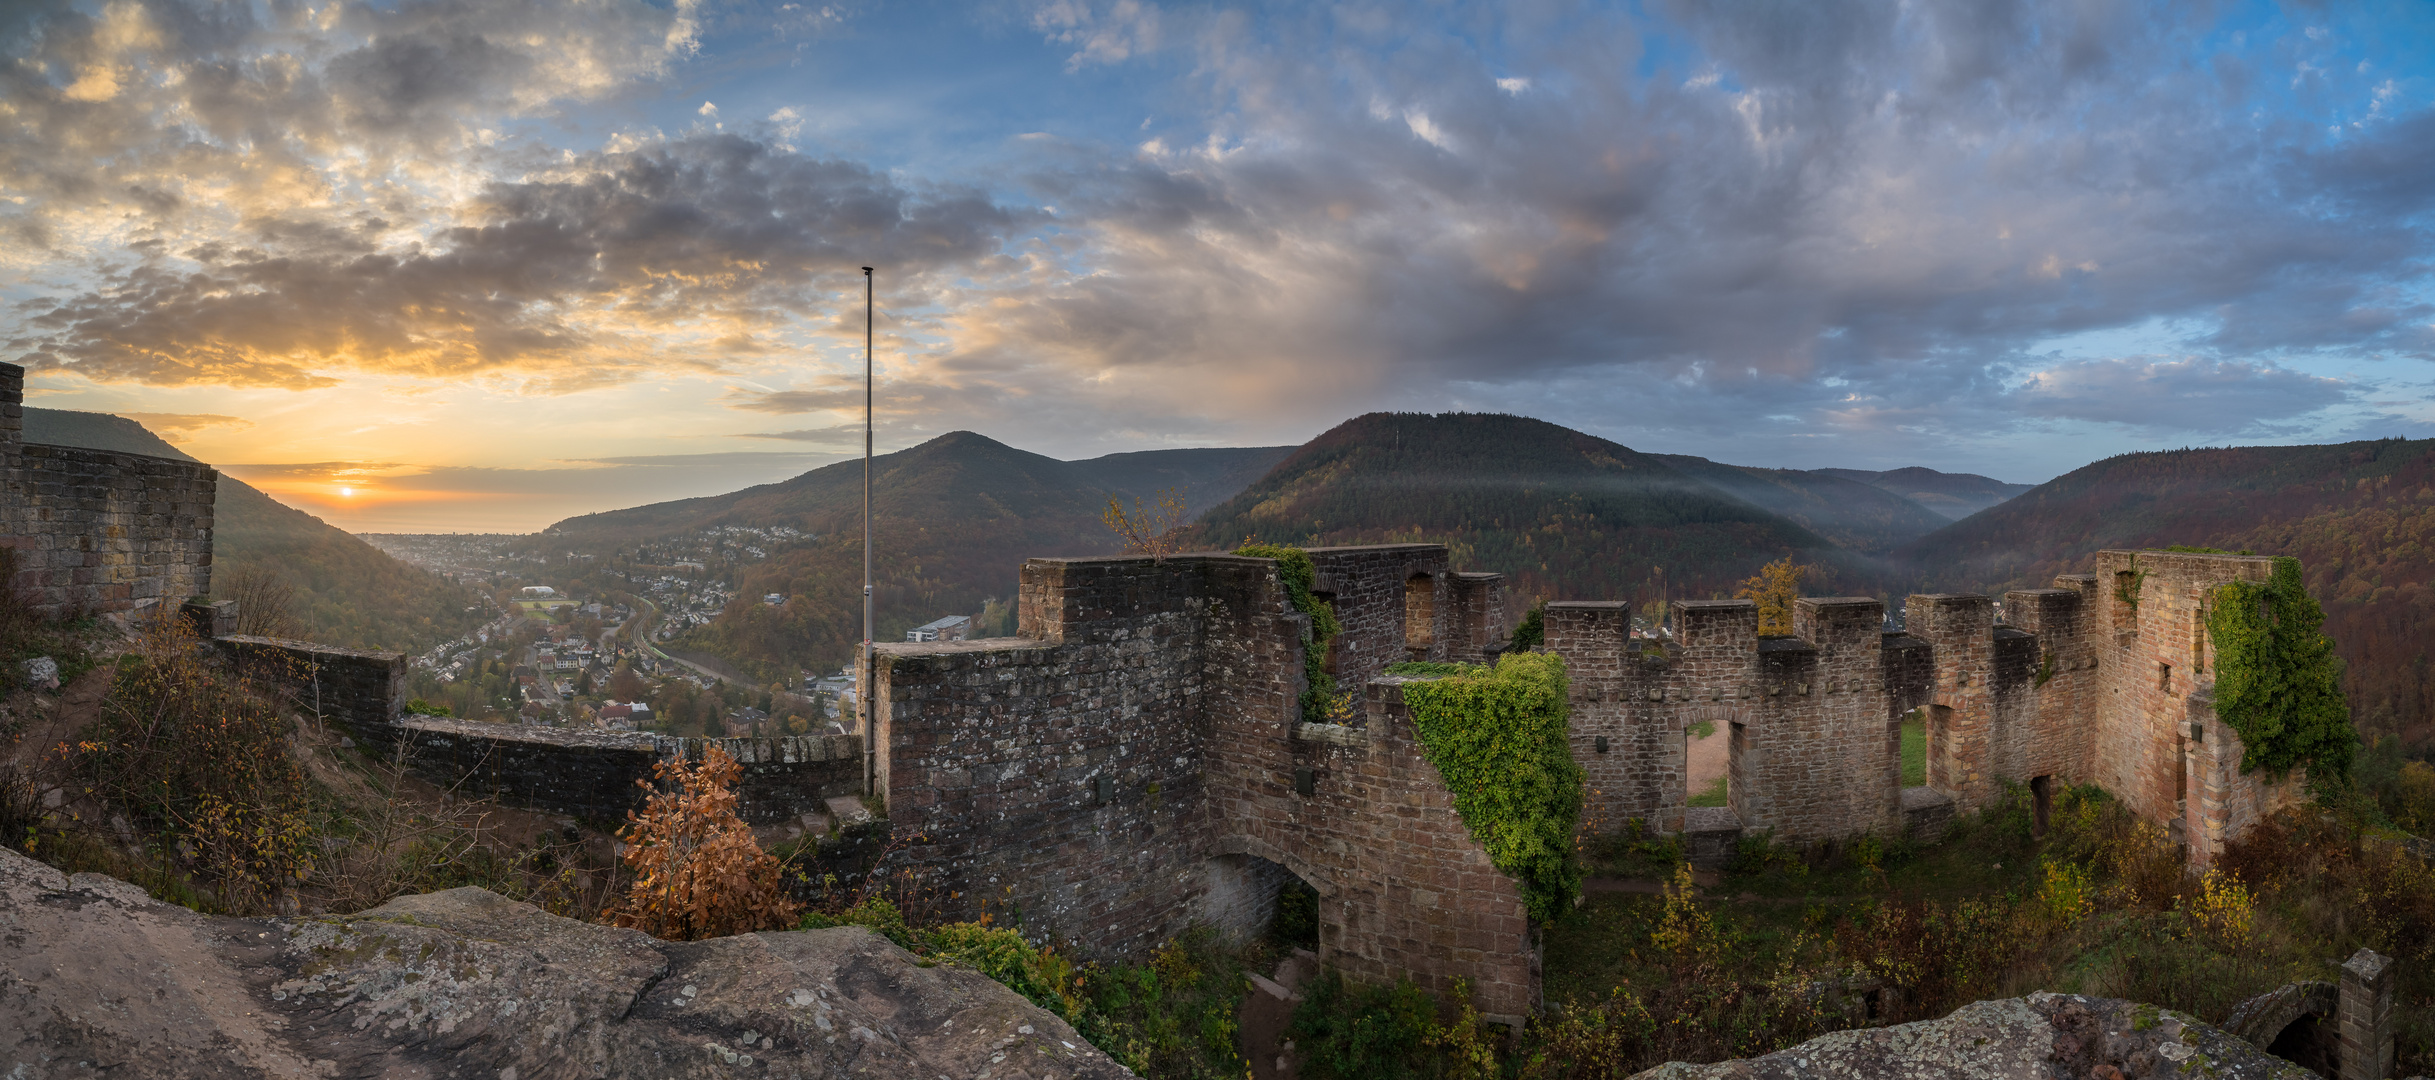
(175, 425)
(842, 435)
(2193, 394)
(1736, 225)
(401, 496)
(611, 264)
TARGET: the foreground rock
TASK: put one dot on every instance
(2039, 1037)
(96, 978)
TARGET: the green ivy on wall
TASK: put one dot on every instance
(1499, 737)
(2277, 680)
(1319, 700)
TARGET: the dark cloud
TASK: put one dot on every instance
(1858, 216)
(579, 277)
(1760, 222)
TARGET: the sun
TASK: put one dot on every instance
(346, 492)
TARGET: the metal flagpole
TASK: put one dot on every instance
(870, 670)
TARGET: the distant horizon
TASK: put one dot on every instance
(276, 471)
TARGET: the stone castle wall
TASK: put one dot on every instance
(598, 776)
(1136, 762)
(95, 531)
(2158, 744)
(2076, 685)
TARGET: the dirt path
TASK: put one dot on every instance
(1265, 1014)
(1708, 760)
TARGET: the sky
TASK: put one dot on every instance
(477, 265)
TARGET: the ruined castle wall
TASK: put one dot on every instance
(1908, 674)
(1373, 589)
(1482, 622)
(2045, 686)
(359, 688)
(599, 775)
(2223, 803)
(1175, 681)
(1838, 761)
(1962, 741)
(1064, 772)
(12, 447)
(2159, 748)
(1711, 672)
(1630, 749)
(98, 531)
(1405, 891)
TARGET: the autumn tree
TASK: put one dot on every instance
(1776, 587)
(698, 871)
(266, 602)
(1155, 529)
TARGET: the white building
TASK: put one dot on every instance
(951, 628)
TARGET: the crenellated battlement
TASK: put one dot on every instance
(2074, 685)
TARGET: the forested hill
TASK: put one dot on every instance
(347, 592)
(1560, 512)
(1950, 495)
(2360, 517)
(953, 520)
(1855, 515)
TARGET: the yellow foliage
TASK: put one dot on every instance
(1155, 529)
(1685, 927)
(2066, 894)
(2224, 909)
(1775, 587)
(698, 871)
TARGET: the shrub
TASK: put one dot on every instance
(202, 753)
(698, 871)
(1499, 738)
(1347, 1030)
(2223, 909)
(2277, 680)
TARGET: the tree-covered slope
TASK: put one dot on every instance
(1950, 495)
(347, 592)
(2359, 516)
(1854, 515)
(953, 520)
(1562, 513)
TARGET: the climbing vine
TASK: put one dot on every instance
(1320, 702)
(2277, 680)
(2127, 586)
(1498, 736)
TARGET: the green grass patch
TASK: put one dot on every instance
(1715, 794)
(1914, 750)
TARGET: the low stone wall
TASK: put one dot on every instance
(359, 688)
(587, 774)
(599, 775)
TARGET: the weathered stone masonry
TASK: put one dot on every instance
(2085, 684)
(1136, 762)
(96, 531)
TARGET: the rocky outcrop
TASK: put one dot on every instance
(97, 978)
(2039, 1037)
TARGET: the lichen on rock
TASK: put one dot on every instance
(465, 982)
